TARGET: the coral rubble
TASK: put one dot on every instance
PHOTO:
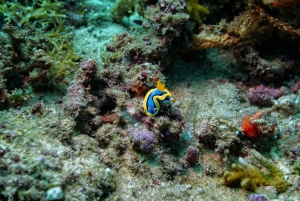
(34, 151)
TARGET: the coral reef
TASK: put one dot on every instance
(216, 132)
(243, 30)
(83, 103)
(136, 70)
(23, 65)
(273, 70)
(93, 141)
(36, 46)
(79, 89)
(35, 151)
(252, 26)
(250, 178)
(168, 19)
(263, 96)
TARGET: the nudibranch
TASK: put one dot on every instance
(154, 97)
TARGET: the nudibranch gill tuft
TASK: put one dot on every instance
(154, 97)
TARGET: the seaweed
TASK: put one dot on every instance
(196, 10)
(37, 27)
(250, 177)
(42, 12)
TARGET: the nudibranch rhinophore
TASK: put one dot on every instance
(154, 97)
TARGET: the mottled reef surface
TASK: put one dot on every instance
(74, 74)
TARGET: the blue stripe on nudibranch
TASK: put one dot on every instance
(154, 97)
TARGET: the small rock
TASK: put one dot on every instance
(257, 197)
(288, 105)
(54, 193)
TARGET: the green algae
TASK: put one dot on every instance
(195, 10)
(41, 12)
(42, 25)
(297, 166)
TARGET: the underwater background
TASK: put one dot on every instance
(150, 100)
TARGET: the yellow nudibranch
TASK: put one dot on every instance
(154, 97)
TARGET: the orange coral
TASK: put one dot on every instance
(254, 126)
(258, 114)
(109, 117)
(251, 129)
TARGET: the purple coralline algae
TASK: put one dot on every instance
(80, 86)
(263, 96)
(192, 155)
(89, 69)
(143, 138)
(257, 197)
(295, 87)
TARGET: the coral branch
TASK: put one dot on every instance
(250, 177)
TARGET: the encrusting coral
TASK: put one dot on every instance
(262, 95)
(250, 177)
(253, 25)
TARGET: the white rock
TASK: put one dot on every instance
(54, 193)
